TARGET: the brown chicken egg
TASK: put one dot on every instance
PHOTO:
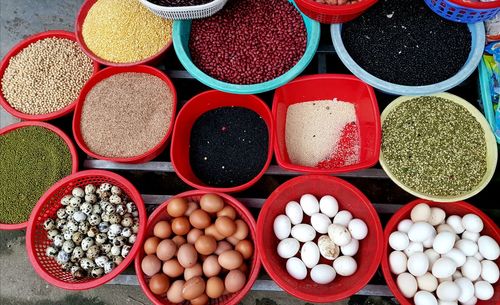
(225, 226)
(211, 266)
(179, 240)
(201, 300)
(241, 230)
(211, 230)
(162, 229)
(230, 260)
(223, 246)
(243, 268)
(194, 271)
(245, 247)
(192, 206)
(166, 249)
(228, 211)
(193, 235)
(151, 244)
(174, 293)
(235, 280)
(177, 207)
(233, 241)
(150, 265)
(200, 219)
(211, 203)
(180, 225)
(215, 287)
(205, 244)
(172, 268)
(193, 288)
(187, 255)
(159, 284)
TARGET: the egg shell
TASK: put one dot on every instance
(432, 255)
(150, 265)
(211, 266)
(407, 284)
(437, 217)
(413, 247)
(358, 229)
(339, 234)
(205, 245)
(294, 211)
(151, 244)
(228, 211)
(448, 291)
(223, 246)
(230, 260)
(470, 236)
(282, 227)
(329, 206)
(309, 204)
(424, 298)
(194, 271)
(405, 225)
(472, 223)
(200, 219)
(345, 265)
(181, 225)
(172, 268)
(457, 256)
(468, 247)
(323, 274)
(187, 255)
(193, 288)
(472, 301)
(427, 282)
(211, 203)
(488, 247)
(296, 268)
(288, 247)
(351, 248)
(342, 218)
(489, 271)
(471, 269)
(445, 227)
(177, 207)
(215, 287)
(162, 229)
(166, 249)
(443, 268)
(420, 231)
(303, 232)
(159, 283)
(310, 254)
(440, 302)
(397, 262)
(455, 222)
(483, 290)
(241, 229)
(420, 212)
(327, 248)
(225, 225)
(429, 242)
(398, 241)
(418, 264)
(193, 235)
(320, 222)
(201, 300)
(444, 242)
(235, 281)
(456, 275)
(174, 293)
(179, 240)
(245, 247)
(192, 206)
(466, 289)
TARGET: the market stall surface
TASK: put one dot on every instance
(19, 283)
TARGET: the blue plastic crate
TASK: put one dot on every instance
(462, 13)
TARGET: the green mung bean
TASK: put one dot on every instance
(434, 146)
(32, 158)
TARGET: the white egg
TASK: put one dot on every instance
(488, 247)
(478, 256)
(309, 204)
(405, 225)
(432, 255)
(440, 302)
(358, 229)
(418, 264)
(445, 227)
(420, 231)
(398, 241)
(420, 212)
(320, 222)
(472, 223)
(437, 216)
(339, 234)
(310, 254)
(443, 268)
(323, 274)
(472, 301)
(282, 226)
(483, 290)
(407, 284)
(294, 211)
(288, 247)
(470, 236)
(413, 247)
(429, 242)
(448, 291)
(345, 265)
(427, 282)
(329, 206)
(397, 262)
(425, 298)
(351, 248)
(303, 232)
(444, 242)
(445, 279)
(471, 269)
(342, 218)
(466, 289)
(457, 256)
(489, 271)
(455, 222)
(468, 247)
(456, 275)
(296, 268)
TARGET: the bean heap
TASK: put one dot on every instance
(179, 2)
(46, 76)
(94, 230)
(249, 41)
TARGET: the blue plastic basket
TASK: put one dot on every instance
(181, 33)
(466, 12)
(485, 97)
(477, 49)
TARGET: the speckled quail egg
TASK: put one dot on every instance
(135, 228)
(110, 209)
(87, 242)
(83, 227)
(115, 199)
(79, 216)
(49, 224)
(115, 229)
(61, 223)
(86, 208)
(106, 248)
(119, 241)
(117, 260)
(115, 190)
(62, 257)
(101, 238)
(127, 222)
(68, 246)
(103, 204)
(92, 232)
(65, 200)
(51, 251)
(97, 272)
(116, 250)
(105, 217)
(77, 254)
(131, 207)
(70, 210)
(132, 238)
(126, 250)
(103, 227)
(90, 189)
(87, 263)
(105, 187)
(114, 218)
(94, 219)
(96, 209)
(77, 272)
(93, 252)
(101, 260)
(58, 240)
(66, 266)
(121, 209)
(78, 192)
(126, 232)
(72, 226)
(52, 233)
(61, 213)
(75, 201)
(104, 195)
(108, 267)
(91, 198)
(67, 234)
(77, 238)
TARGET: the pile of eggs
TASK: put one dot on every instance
(441, 260)
(94, 230)
(338, 241)
(202, 252)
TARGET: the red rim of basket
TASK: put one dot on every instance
(315, 170)
(365, 278)
(345, 9)
(249, 220)
(80, 18)
(62, 135)
(476, 5)
(398, 216)
(106, 73)
(18, 48)
(233, 189)
(132, 193)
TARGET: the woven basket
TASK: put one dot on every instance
(185, 12)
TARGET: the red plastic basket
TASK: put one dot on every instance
(194, 108)
(80, 18)
(60, 133)
(13, 52)
(328, 86)
(456, 208)
(325, 13)
(36, 237)
(161, 214)
(349, 198)
(147, 156)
